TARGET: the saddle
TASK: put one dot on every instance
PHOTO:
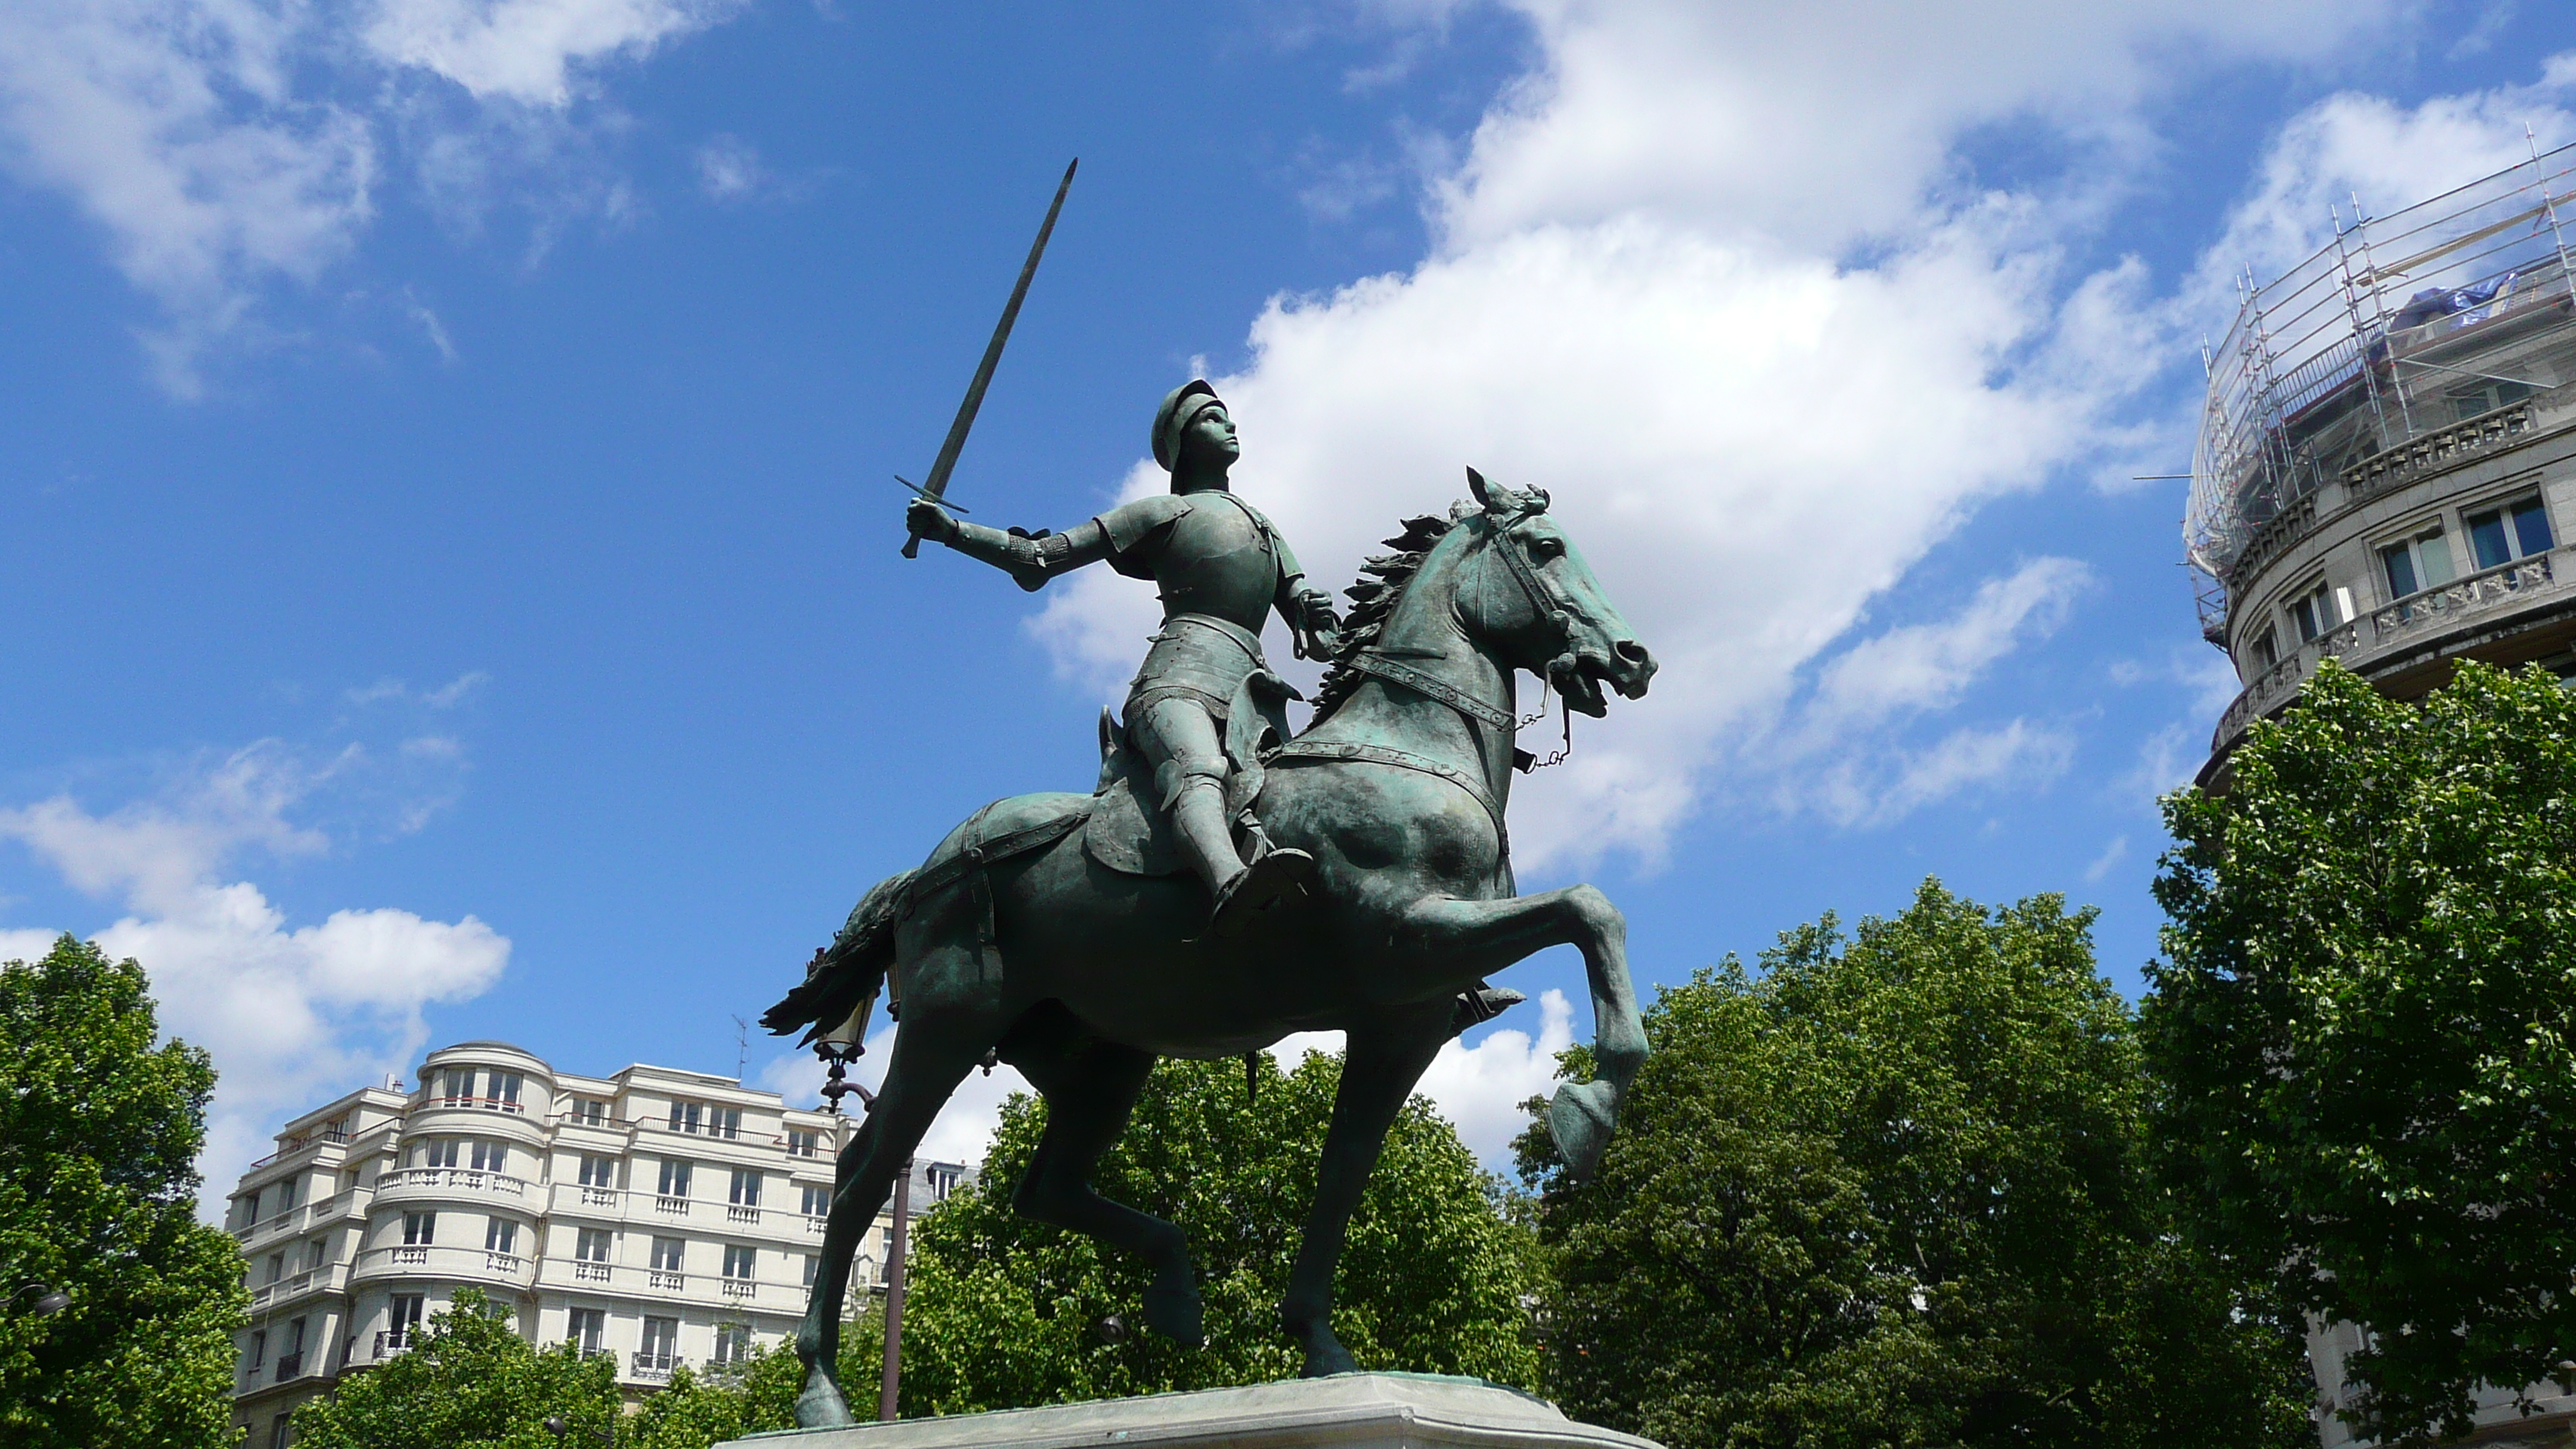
(1127, 834)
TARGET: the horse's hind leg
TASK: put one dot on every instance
(1378, 1074)
(1090, 1087)
(933, 1050)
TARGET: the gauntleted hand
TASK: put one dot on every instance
(1318, 631)
(928, 520)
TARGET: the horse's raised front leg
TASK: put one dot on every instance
(932, 1052)
(1091, 1087)
(1378, 1073)
(1488, 935)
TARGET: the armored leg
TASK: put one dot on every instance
(1180, 739)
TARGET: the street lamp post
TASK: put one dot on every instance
(44, 1300)
(839, 1047)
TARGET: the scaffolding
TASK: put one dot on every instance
(2402, 326)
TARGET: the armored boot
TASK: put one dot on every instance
(1244, 893)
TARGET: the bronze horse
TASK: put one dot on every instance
(1014, 939)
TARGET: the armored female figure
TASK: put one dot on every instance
(1221, 567)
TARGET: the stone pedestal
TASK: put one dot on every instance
(1347, 1411)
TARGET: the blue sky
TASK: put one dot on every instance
(447, 517)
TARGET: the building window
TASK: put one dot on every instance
(316, 1253)
(589, 1111)
(2312, 614)
(2469, 402)
(491, 1156)
(276, 1267)
(667, 1254)
(746, 1187)
(457, 1089)
(280, 1431)
(420, 1229)
(438, 1153)
(686, 1116)
(675, 1178)
(733, 1343)
(801, 1143)
(290, 1358)
(724, 1122)
(818, 1201)
(598, 1171)
(943, 1177)
(587, 1326)
(2267, 648)
(504, 1091)
(404, 1319)
(286, 1192)
(591, 1246)
(257, 1358)
(738, 1262)
(809, 1270)
(2418, 563)
(661, 1343)
(2520, 529)
(501, 1235)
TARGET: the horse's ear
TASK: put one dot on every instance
(1538, 498)
(1484, 491)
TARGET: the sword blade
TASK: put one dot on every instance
(936, 485)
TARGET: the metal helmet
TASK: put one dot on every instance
(1181, 408)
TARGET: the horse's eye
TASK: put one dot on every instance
(1544, 548)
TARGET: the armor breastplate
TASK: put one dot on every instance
(1218, 562)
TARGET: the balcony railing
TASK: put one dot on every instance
(599, 1197)
(737, 1213)
(290, 1364)
(740, 1288)
(467, 1264)
(488, 1104)
(666, 1278)
(589, 1272)
(675, 1206)
(2522, 579)
(461, 1179)
(390, 1341)
(654, 1367)
(333, 1132)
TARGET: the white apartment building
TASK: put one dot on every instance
(659, 1217)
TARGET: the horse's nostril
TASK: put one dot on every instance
(1629, 651)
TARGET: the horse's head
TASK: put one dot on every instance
(1539, 604)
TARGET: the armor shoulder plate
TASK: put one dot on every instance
(1130, 524)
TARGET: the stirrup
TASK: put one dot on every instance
(1275, 877)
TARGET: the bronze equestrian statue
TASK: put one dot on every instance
(1070, 934)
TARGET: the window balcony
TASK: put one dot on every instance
(465, 1265)
(815, 1224)
(589, 1272)
(677, 1207)
(666, 1279)
(740, 1288)
(737, 1213)
(654, 1367)
(289, 1365)
(389, 1342)
(409, 1182)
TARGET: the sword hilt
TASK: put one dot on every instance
(912, 546)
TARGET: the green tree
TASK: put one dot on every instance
(99, 1130)
(1002, 1310)
(2367, 1013)
(1893, 1191)
(469, 1381)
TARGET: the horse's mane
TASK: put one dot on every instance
(1373, 601)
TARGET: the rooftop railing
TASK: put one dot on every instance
(2369, 359)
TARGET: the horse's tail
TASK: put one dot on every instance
(846, 974)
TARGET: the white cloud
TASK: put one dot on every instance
(529, 51)
(1478, 1088)
(1877, 786)
(25, 945)
(1712, 277)
(292, 1014)
(1928, 666)
(729, 169)
(224, 146)
(2112, 854)
(964, 1129)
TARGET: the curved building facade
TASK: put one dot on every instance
(656, 1217)
(2386, 476)
(2386, 472)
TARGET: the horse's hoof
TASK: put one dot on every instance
(1579, 1118)
(821, 1405)
(1327, 1359)
(1177, 1314)
(1282, 875)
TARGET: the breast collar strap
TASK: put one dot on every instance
(1314, 751)
(1371, 662)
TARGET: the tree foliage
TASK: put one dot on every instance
(1893, 1191)
(1003, 1311)
(2368, 1017)
(99, 1130)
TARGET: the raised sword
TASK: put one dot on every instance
(935, 486)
